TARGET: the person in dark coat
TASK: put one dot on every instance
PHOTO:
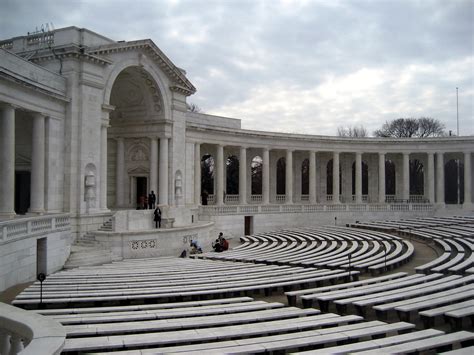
(157, 217)
(204, 197)
(151, 200)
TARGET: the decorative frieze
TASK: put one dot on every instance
(137, 245)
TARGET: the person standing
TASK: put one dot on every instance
(153, 199)
(157, 217)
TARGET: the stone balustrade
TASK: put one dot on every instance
(310, 208)
(32, 226)
(29, 332)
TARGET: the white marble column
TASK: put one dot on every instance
(103, 167)
(220, 175)
(7, 161)
(197, 173)
(243, 176)
(289, 177)
(431, 178)
(381, 177)
(440, 178)
(467, 180)
(358, 177)
(163, 172)
(154, 164)
(406, 176)
(120, 173)
(266, 176)
(312, 177)
(37, 164)
(335, 178)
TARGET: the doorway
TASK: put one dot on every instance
(22, 191)
(141, 189)
(41, 256)
(248, 225)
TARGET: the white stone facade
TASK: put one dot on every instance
(90, 125)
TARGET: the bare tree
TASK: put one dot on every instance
(352, 131)
(411, 128)
(192, 107)
(429, 127)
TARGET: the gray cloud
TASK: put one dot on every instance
(299, 66)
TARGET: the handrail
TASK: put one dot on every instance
(28, 332)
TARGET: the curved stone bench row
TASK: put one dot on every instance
(239, 325)
(331, 247)
(453, 235)
(85, 286)
(414, 223)
(402, 296)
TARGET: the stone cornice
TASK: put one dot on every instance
(69, 52)
(33, 86)
(332, 139)
(181, 83)
(281, 141)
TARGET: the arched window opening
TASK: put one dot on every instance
(390, 180)
(365, 178)
(256, 171)
(329, 190)
(454, 182)
(417, 184)
(232, 175)
(207, 174)
(305, 177)
(281, 176)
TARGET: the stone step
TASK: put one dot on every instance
(87, 256)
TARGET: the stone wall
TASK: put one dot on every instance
(19, 261)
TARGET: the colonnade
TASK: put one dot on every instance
(433, 190)
(7, 161)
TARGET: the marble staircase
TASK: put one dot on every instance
(87, 251)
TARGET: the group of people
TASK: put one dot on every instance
(221, 244)
(145, 203)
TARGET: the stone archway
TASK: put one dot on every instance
(135, 126)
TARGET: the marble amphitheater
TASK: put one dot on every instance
(338, 245)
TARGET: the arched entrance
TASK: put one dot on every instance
(137, 123)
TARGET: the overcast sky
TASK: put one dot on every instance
(293, 65)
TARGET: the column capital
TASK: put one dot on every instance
(37, 114)
(5, 105)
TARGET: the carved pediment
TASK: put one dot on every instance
(139, 170)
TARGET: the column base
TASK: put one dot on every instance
(7, 215)
(467, 206)
(36, 212)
